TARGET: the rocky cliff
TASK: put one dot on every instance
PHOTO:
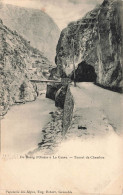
(34, 25)
(94, 40)
(19, 62)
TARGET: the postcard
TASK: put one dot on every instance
(61, 97)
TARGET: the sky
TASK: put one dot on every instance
(62, 11)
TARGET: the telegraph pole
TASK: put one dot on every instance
(74, 75)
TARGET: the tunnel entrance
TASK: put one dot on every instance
(84, 73)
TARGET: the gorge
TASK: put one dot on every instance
(19, 62)
(96, 42)
(34, 25)
(60, 137)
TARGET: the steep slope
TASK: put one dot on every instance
(19, 62)
(95, 40)
(34, 25)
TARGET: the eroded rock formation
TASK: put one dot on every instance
(60, 97)
(19, 62)
(96, 39)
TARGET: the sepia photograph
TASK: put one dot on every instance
(61, 97)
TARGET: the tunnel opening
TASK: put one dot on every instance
(84, 73)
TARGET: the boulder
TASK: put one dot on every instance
(52, 89)
(60, 97)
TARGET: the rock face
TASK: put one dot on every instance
(53, 74)
(19, 62)
(68, 110)
(34, 25)
(57, 92)
(96, 40)
(60, 97)
(52, 89)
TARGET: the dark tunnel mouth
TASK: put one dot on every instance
(84, 73)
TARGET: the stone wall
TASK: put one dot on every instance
(63, 99)
(53, 133)
(60, 97)
(68, 110)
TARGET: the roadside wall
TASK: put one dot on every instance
(68, 110)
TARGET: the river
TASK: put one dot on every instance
(21, 126)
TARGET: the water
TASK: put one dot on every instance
(21, 127)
